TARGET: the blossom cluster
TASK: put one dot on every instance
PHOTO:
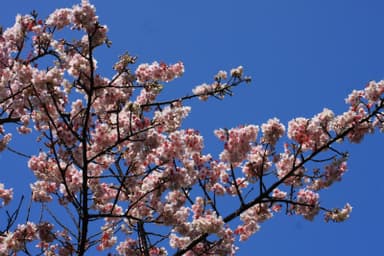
(205, 90)
(159, 72)
(308, 203)
(5, 194)
(237, 143)
(314, 133)
(257, 163)
(219, 88)
(288, 169)
(30, 232)
(272, 131)
(333, 172)
(52, 177)
(15, 241)
(339, 215)
(4, 141)
(311, 133)
(81, 16)
(170, 117)
(251, 219)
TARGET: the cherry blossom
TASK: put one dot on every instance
(252, 218)
(338, 215)
(159, 72)
(60, 18)
(237, 143)
(5, 194)
(4, 141)
(308, 203)
(272, 131)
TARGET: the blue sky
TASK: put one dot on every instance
(302, 55)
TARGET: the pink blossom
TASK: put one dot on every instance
(45, 232)
(44, 168)
(78, 65)
(333, 172)
(285, 170)
(237, 143)
(355, 98)
(251, 219)
(241, 184)
(203, 91)
(84, 16)
(352, 119)
(272, 131)
(373, 91)
(221, 75)
(24, 233)
(60, 18)
(198, 207)
(159, 72)
(4, 141)
(5, 194)
(209, 223)
(278, 194)
(237, 72)
(339, 215)
(308, 204)
(107, 239)
(258, 163)
(170, 118)
(311, 133)
(127, 247)
(178, 242)
(218, 189)
(42, 190)
(15, 35)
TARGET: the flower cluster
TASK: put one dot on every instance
(84, 16)
(339, 215)
(352, 121)
(130, 247)
(5, 194)
(333, 172)
(307, 204)
(209, 223)
(252, 218)
(237, 72)
(257, 164)
(237, 143)
(205, 90)
(311, 134)
(288, 169)
(107, 239)
(220, 88)
(169, 119)
(272, 131)
(159, 72)
(4, 141)
(52, 177)
(60, 18)
(14, 36)
(373, 91)
(16, 241)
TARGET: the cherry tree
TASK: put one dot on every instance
(129, 180)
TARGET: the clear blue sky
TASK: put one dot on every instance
(302, 55)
